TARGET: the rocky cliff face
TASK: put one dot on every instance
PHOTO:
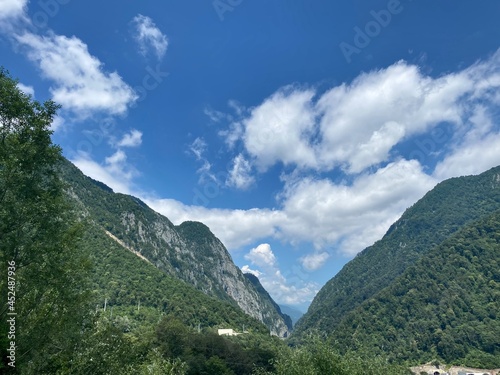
(189, 251)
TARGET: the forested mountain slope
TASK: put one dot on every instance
(189, 252)
(446, 306)
(122, 279)
(450, 206)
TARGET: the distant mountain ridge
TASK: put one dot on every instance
(344, 307)
(292, 312)
(189, 252)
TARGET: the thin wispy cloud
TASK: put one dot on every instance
(149, 36)
(132, 139)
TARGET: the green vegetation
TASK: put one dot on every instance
(316, 357)
(189, 251)
(446, 306)
(448, 207)
(123, 279)
(38, 239)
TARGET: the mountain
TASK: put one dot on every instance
(254, 280)
(131, 284)
(292, 312)
(449, 207)
(446, 306)
(189, 252)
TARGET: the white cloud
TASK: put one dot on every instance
(28, 90)
(81, 85)
(325, 213)
(361, 122)
(100, 173)
(280, 129)
(216, 116)
(233, 134)
(252, 225)
(10, 9)
(471, 159)
(198, 148)
(132, 139)
(240, 175)
(316, 211)
(262, 255)
(115, 172)
(149, 36)
(356, 125)
(57, 123)
(353, 126)
(312, 262)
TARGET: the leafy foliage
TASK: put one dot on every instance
(446, 306)
(39, 233)
(444, 210)
(316, 357)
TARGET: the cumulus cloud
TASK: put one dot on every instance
(80, 83)
(57, 123)
(247, 269)
(470, 159)
(10, 9)
(476, 150)
(356, 125)
(262, 255)
(252, 225)
(149, 36)
(324, 213)
(316, 211)
(280, 129)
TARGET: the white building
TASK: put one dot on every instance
(227, 332)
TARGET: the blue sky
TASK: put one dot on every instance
(298, 131)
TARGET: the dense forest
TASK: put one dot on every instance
(450, 206)
(444, 307)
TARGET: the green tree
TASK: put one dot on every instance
(38, 236)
